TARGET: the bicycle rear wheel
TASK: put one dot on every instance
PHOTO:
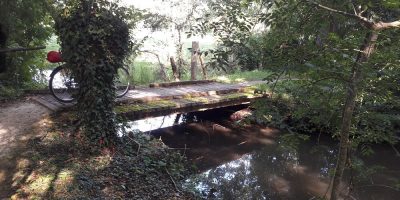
(121, 82)
(62, 85)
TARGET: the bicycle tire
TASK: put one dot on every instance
(56, 94)
(125, 87)
(61, 98)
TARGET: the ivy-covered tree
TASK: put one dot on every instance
(95, 41)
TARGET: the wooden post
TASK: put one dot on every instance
(203, 66)
(195, 55)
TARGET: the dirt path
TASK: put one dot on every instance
(19, 122)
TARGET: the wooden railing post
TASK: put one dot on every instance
(203, 66)
(195, 57)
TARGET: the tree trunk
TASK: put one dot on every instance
(180, 54)
(175, 72)
(365, 51)
(203, 67)
(3, 42)
(163, 74)
(193, 64)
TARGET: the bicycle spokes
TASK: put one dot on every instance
(62, 85)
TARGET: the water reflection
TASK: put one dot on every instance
(268, 173)
(149, 124)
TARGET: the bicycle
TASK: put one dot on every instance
(63, 86)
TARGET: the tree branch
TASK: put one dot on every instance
(363, 11)
(354, 8)
(386, 25)
(21, 49)
(363, 20)
(162, 66)
(376, 26)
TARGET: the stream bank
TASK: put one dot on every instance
(237, 160)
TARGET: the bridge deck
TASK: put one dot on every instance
(151, 102)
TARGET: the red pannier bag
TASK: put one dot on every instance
(54, 57)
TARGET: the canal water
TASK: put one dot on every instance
(236, 161)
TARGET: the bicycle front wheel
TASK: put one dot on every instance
(121, 82)
(62, 84)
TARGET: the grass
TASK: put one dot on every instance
(242, 76)
(144, 73)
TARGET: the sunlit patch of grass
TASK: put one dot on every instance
(230, 79)
(39, 184)
(18, 177)
(64, 180)
(22, 165)
(223, 79)
(244, 76)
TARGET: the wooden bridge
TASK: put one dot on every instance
(177, 97)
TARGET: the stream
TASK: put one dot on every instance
(236, 161)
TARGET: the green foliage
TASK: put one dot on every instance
(23, 24)
(231, 22)
(316, 47)
(95, 41)
(364, 172)
(7, 93)
(143, 73)
(292, 141)
(273, 111)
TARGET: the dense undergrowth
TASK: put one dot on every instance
(290, 111)
(61, 165)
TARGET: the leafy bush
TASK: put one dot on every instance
(7, 93)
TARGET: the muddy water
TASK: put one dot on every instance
(252, 162)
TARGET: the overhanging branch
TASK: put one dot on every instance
(358, 17)
(376, 26)
(386, 25)
(21, 49)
